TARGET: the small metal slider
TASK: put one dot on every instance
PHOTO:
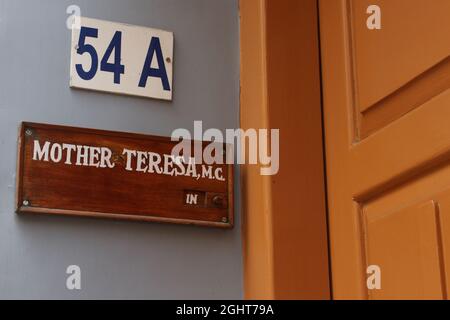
(217, 201)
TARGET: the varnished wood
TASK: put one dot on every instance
(57, 188)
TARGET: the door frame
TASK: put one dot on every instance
(284, 223)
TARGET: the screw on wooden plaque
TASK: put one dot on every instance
(28, 132)
(26, 203)
(168, 60)
(224, 219)
(118, 159)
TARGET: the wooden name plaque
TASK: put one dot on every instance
(86, 172)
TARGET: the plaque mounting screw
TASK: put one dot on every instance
(28, 132)
(168, 60)
(224, 219)
(26, 203)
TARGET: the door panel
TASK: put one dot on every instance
(406, 231)
(399, 67)
(409, 43)
(387, 136)
(406, 243)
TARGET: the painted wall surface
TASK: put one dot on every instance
(117, 259)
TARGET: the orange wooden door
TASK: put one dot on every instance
(387, 135)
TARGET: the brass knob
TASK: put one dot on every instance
(218, 201)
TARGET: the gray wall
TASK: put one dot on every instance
(118, 259)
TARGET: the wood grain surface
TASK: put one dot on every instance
(68, 189)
